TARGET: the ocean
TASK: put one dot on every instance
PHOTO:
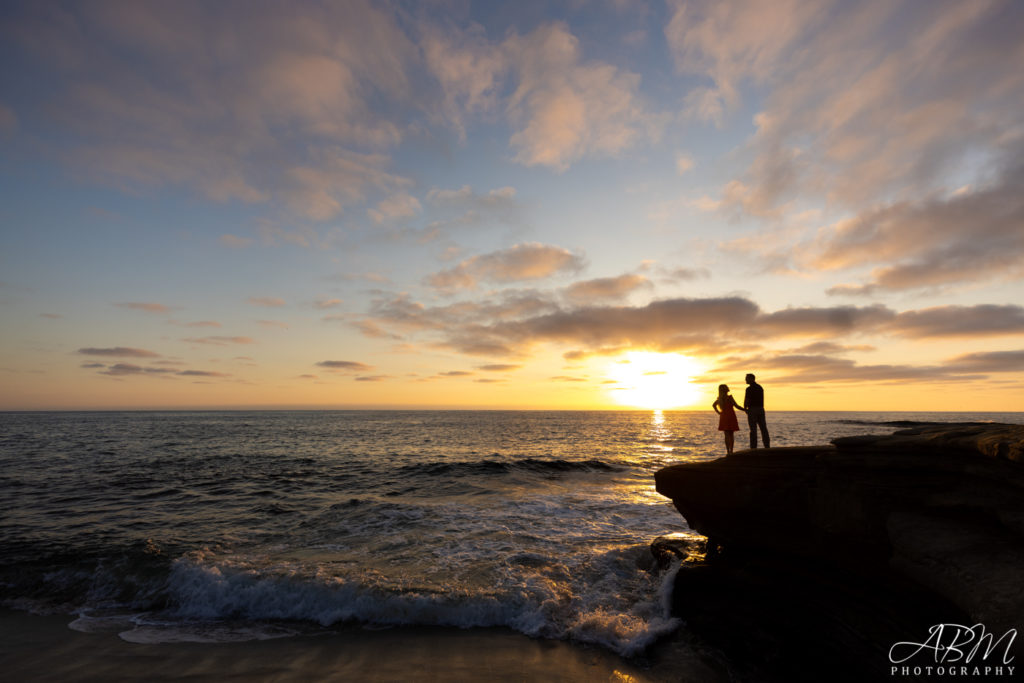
(233, 526)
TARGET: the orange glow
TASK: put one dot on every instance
(644, 379)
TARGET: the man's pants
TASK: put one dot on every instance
(756, 419)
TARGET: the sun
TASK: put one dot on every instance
(645, 379)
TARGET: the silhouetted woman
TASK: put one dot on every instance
(725, 405)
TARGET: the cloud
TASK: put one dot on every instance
(218, 340)
(841, 122)
(235, 132)
(795, 368)
(369, 328)
(199, 323)
(89, 366)
(658, 322)
(564, 109)
(824, 347)
(235, 242)
(972, 236)
(123, 369)
(686, 274)
(118, 352)
(526, 261)
(684, 163)
(710, 327)
(455, 373)
(272, 324)
(202, 373)
(323, 304)
(990, 361)
(814, 369)
(369, 276)
(402, 313)
(396, 207)
(851, 290)
(732, 43)
(605, 288)
(372, 378)
(267, 301)
(334, 178)
(469, 70)
(466, 207)
(818, 321)
(119, 369)
(148, 307)
(960, 321)
(348, 365)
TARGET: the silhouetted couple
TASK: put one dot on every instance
(753, 405)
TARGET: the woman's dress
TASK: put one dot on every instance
(727, 421)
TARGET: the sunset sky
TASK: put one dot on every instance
(511, 205)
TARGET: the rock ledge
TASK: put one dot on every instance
(937, 509)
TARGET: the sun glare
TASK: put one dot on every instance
(645, 379)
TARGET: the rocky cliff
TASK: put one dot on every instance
(928, 522)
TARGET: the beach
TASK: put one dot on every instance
(43, 648)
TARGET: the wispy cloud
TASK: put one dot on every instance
(122, 369)
(235, 242)
(396, 207)
(522, 262)
(839, 122)
(605, 288)
(346, 365)
(229, 137)
(218, 340)
(202, 373)
(148, 307)
(562, 107)
(198, 323)
(118, 352)
(267, 301)
(499, 367)
(968, 237)
(960, 321)
(990, 361)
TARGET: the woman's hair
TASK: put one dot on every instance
(723, 390)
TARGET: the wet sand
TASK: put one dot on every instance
(43, 648)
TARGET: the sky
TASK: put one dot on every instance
(586, 204)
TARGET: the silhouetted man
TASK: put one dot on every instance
(753, 403)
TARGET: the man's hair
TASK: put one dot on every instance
(750, 375)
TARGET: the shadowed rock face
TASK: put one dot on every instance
(939, 508)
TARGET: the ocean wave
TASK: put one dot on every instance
(616, 598)
(491, 467)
